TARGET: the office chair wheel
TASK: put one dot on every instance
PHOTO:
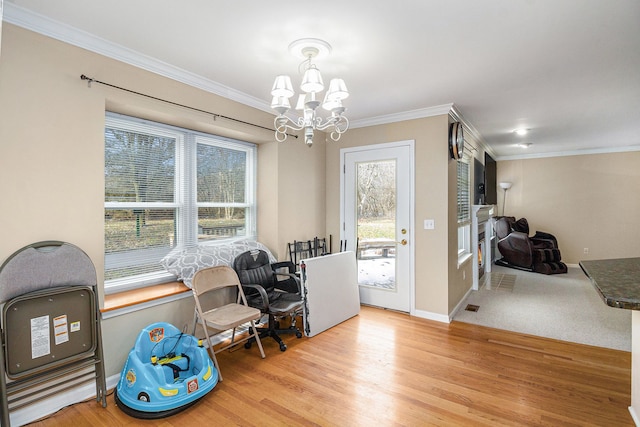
(283, 346)
(247, 345)
(298, 334)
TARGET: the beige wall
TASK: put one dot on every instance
(291, 181)
(588, 201)
(434, 254)
(52, 158)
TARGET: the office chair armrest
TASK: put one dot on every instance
(263, 294)
(284, 264)
(290, 277)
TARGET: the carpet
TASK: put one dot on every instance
(564, 306)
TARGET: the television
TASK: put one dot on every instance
(478, 182)
(490, 184)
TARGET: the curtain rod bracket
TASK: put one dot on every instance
(88, 79)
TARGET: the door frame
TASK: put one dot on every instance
(410, 143)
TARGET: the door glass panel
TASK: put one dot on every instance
(376, 223)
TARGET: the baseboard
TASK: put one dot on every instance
(432, 316)
(634, 416)
(460, 305)
(51, 405)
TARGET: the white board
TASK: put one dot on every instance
(331, 284)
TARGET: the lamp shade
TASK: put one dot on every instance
(337, 90)
(280, 104)
(330, 104)
(312, 80)
(282, 87)
(505, 185)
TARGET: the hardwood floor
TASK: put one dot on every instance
(385, 368)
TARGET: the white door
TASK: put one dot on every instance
(377, 214)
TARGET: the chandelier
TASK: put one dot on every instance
(309, 99)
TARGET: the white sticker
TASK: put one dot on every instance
(40, 344)
(75, 326)
(60, 327)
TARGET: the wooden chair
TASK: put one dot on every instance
(214, 311)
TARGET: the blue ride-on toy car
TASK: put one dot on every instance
(166, 372)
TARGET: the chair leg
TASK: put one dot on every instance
(257, 338)
(211, 351)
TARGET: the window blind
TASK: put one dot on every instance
(464, 206)
(168, 188)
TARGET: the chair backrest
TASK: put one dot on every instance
(215, 278)
(503, 227)
(254, 267)
(45, 265)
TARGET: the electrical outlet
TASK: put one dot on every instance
(429, 224)
(586, 250)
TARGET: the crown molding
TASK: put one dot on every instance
(41, 24)
(607, 150)
(402, 116)
(456, 114)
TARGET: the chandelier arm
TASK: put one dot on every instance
(282, 124)
(280, 136)
(340, 123)
(330, 121)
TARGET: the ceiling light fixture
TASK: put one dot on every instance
(521, 131)
(524, 145)
(308, 101)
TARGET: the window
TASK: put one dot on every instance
(463, 208)
(167, 188)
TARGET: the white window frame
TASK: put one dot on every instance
(464, 224)
(185, 201)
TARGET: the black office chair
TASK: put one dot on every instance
(272, 288)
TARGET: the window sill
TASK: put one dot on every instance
(464, 258)
(136, 299)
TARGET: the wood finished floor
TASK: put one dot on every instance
(384, 368)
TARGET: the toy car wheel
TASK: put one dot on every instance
(144, 397)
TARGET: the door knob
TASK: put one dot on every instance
(403, 242)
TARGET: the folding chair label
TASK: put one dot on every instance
(40, 344)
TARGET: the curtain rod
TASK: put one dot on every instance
(215, 115)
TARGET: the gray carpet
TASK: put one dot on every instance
(565, 307)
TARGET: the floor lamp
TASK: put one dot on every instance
(505, 186)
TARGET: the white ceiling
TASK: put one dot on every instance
(569, 70)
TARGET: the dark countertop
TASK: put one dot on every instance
(617, 281)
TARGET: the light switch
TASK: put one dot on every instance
(429, 224)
